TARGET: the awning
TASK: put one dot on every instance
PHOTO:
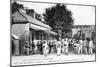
(48, 31)
(51, 32)
(54, 33)
(36, 27)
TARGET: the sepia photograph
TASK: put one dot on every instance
(51, 33)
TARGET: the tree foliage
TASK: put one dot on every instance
(30, 12)
(76, 36)
(59, 17)
(15, 7)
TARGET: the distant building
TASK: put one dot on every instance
(85, 30)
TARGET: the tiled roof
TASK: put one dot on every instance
(32, 20)
(17, 17)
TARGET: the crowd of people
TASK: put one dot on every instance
(62, 46)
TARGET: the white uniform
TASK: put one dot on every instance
(77, 49)
(66, 47)
(58, 47)
(63, 48)
(91, 47)
(81, 45)
(45, 49)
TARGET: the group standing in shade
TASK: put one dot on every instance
(62, 46)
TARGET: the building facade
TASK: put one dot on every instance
(85, 31)
(29, 29)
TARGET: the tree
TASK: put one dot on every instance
(30, 12)
(59, 18)
(15, 7)
(38, 17)
(76, 36)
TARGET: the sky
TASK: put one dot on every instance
(83, 15)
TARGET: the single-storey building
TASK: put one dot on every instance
(27, 28)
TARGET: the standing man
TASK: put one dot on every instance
(84, 47)
(91, 47)
(87, 45)
(33, 47)
(41, 48)
(27, 48)
(66, 46)
(45, 48)
(81, 46)
(77, 47)
(63, 47)
(58, 47)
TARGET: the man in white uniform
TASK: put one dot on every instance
(91, 47)
(58, 47)
(45, 48)
(81, 46)
(66, 46)
(77, 47)
(62, 46)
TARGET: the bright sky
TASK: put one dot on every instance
(83, 15)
